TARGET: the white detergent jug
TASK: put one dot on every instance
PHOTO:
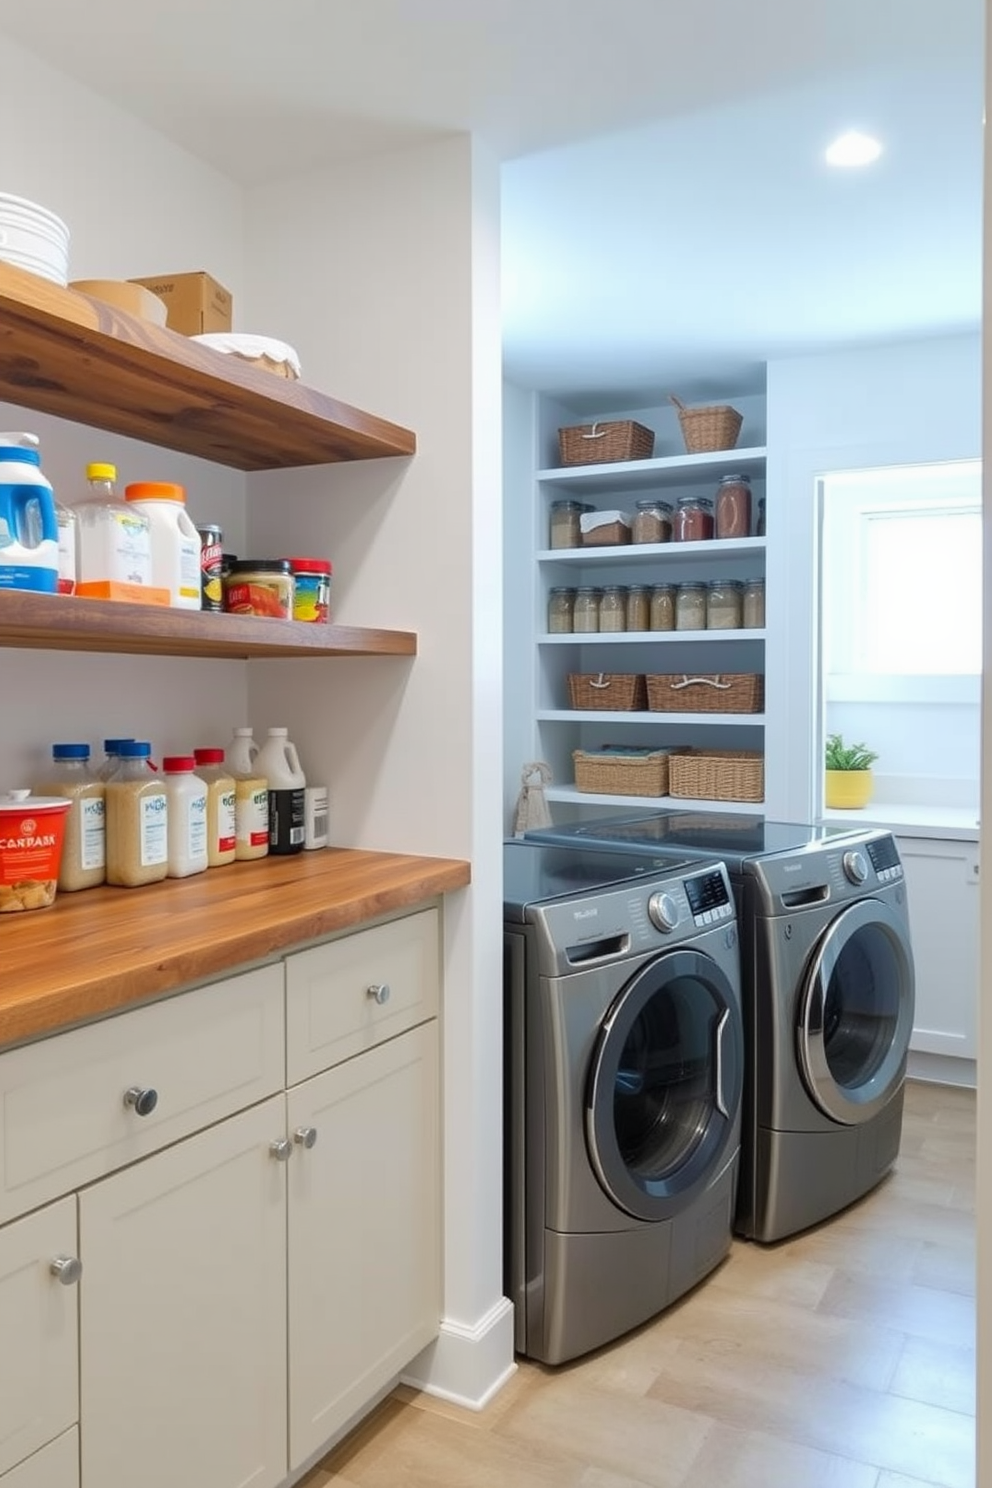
(278, 761)
(29, 529)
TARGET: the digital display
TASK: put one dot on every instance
(707, 891)
(883, 853)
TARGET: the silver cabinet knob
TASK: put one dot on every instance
(67, 1269)
(281, 1149)
(379, 992)
(306, 1136)
(141, 1102)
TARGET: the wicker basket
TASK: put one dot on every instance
(614, 692)
(642, 773)
(712, 427)
(718, 775)
(600, 444)
(729, 692)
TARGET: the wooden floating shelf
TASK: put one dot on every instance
(66, 354)
(55, 622)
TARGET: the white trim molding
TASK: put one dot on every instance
(467, 1363)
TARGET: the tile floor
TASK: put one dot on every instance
(843, 1358)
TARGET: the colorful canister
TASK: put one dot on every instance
(259, 586)
(211, 565)
(29, 529)
(312, 596)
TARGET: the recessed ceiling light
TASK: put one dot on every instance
(853, 149)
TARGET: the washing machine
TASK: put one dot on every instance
(828, 985)
(624, 1058)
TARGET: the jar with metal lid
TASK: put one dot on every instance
(662, 616)
(693, 519)
(613, 607)
(759, 530)
(733, 507)
(585, 615)
(565, 529)
(753, 608)
(561, 604)
(690, 607)
(724, 604)
(652, 522)
(638, 607)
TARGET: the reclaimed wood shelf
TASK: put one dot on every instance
(54, 622)
(67, 354)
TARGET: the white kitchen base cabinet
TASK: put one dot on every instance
(364, 1243)
(39, 1356)
(55, 1466)
(183, 1313)
(942, 884)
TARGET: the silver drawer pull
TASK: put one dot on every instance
(67, 1269)
(306, 1136)
(379, 992)
(142, 1102)
(281, 1149)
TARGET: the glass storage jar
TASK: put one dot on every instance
(733, 507)
(561, 604)
(652, 522)
(638, 607)
(754, 604)
(565, 531)
(613, 608)
(585, 615)
(662, 615)
(690, 607)
(759, 530)
(724, 604)
(693, 519)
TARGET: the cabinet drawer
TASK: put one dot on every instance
(331, 1013)
(56, 1466)
(63, 1114)
(39, 1334)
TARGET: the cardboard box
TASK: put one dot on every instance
(195, 303)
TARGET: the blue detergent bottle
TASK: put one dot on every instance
(29, 531)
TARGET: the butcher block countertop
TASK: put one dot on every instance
(101, 950)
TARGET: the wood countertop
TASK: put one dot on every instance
(101, 950)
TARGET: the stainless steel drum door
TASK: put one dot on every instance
(856, 1013)
(665, 1084)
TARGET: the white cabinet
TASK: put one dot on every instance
(559, 729)
(39, 1298)
(183, 1327)
(364, 1243)
(942, 884)
(55, 1466)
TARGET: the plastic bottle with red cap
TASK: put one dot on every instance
(221, 790)
(187, 797)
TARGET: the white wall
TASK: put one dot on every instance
(135, 204)
(519, 459)
(384, 275)
(899, 404)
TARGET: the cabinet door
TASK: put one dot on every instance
(942, 883)
(55, 1466)
(39, 1376)
(183, 1324)
(364, 1233)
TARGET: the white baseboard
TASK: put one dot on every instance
(942, 1069)
(468, 1363)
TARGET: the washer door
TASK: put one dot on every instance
(856, 1013)
(665, 1084)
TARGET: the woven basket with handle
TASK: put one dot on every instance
(730, 692)
(714, 426)
(613, 692)
(601, 444)
(717, 775)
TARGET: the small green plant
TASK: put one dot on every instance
(841, 756)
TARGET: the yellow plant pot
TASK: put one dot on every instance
(846, 790)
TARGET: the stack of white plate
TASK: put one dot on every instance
(33, 238)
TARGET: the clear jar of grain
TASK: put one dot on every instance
(733, 507)
(585, 616)
(561, 606)
(690, 607)
(638, 607)
(137, 820)
(652, 522)
(753, 607)
(662, 615)
(565, 531)
(724, 604)
(613, 608)
(84, 848)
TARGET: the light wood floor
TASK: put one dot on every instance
(840, 1359)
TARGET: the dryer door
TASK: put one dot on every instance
(663, 1098)
(856, 1013)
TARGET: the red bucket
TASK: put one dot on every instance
(32, 829)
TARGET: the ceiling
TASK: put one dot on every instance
(668, 220)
